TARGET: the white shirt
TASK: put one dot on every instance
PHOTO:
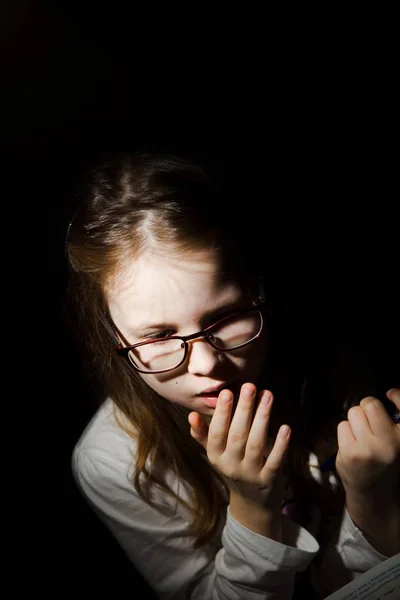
(237, 565)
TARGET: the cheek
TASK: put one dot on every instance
(162, 384)
(255, 359)
(255, 351)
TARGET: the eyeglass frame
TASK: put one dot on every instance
(124, 350)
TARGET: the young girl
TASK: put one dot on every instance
(198, 459)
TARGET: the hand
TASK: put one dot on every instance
(368, 460)
(237, 448)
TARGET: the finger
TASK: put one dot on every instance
(275, 459)
(241, 422)
(394, 396)
(219, 425)
(359, 423)
(345, 436)
(198, 428)
(379, 421)
(257, 438)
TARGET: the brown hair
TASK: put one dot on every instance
(136, 203)
(132, 204)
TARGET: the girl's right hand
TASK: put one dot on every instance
(238, 448)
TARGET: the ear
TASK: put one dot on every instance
(261, 290)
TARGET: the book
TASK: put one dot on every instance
(379, 583)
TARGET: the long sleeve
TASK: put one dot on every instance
(344, 553)
(237, 565)
(347, 555)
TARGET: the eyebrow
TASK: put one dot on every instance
(143, 328)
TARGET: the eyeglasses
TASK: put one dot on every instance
(165, 354)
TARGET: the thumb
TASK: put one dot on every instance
(394, 396)
(198, 428)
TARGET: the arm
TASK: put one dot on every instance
(240, 564)
(378, 518)
(237, 446)
(368, 464)
(345, 555)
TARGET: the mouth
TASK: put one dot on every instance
(210, 395)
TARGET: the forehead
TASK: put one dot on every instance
(168, 288)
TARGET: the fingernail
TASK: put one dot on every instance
(370, 403)
(392, 391)
(284, 431)
(225, 396)
(266, 399)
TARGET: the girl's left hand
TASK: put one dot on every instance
(368, 459)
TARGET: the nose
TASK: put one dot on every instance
(202, 358)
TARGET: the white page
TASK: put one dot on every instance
(380, 583)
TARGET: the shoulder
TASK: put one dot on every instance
(103, 466)
(104, 452)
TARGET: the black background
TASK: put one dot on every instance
(308, 124)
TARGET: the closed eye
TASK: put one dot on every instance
(226, 314)
(160, 335)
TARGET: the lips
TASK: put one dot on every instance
(214, 391)
(210, 395)
(210, 401)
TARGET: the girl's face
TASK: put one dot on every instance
(157, 297)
